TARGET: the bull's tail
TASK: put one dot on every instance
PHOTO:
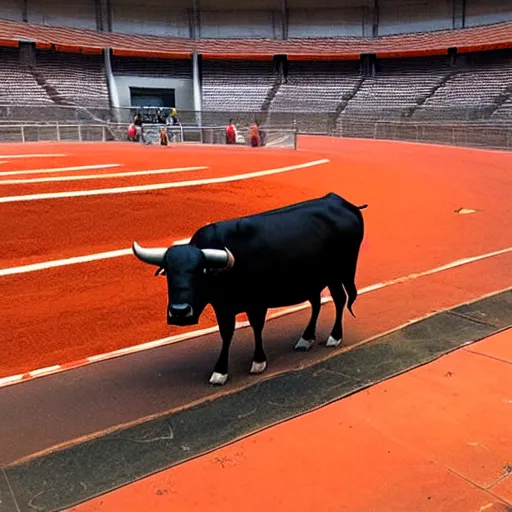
(349, 279)
(350, 288)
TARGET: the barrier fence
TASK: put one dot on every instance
(454, 126)
(82, 132)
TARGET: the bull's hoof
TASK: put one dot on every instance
(258, 367)
(303, 344)
(218, 379)
(331, 342)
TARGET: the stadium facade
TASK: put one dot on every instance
(420, 70)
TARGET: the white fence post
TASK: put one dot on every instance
(22, 133)
(58, 131)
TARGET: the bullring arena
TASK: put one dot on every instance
(105, 407)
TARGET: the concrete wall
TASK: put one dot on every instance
(151, 17)
(77, 13)
(183, 89)
(483, 12)
(11, 9)
(231, 24)
(402, 16)
(326, 22)
(262, 18)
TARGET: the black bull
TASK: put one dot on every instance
(272, 259)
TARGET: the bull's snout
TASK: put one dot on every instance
(180, 310)
(181, 314)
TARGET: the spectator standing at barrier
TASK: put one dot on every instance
(137, 122)
(132, 133)
(172, 120)
(230, 133)
(164, 139)
(254, 134)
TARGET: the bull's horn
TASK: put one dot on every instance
(150, 256)
(219, 259)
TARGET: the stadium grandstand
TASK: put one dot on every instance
(256, 256)
(438, 71)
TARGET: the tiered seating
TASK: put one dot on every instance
(18, 86)
(79, 79)
(504, 113)
(476, 87)
(159, 68)
(487, 35)
(316, 86)
(236, 86)
(397, 87)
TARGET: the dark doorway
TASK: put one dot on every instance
(146, 97)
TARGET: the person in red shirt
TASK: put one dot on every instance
(230, 133)
(131, 132)
(255, 134)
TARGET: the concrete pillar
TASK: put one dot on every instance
(375, 18)
(112, 86)
(196, 78)
(196, 20)
(284, 18)
(459, 14)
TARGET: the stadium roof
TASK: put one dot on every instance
(488, 37)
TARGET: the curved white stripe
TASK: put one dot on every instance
(14, 379)
(367, 289)
(159, 186)
(101, 176)
(72, 261)
(32, 155)
(52, 170)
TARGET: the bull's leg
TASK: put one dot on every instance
(226, 323)
(257, 321)
(339, 298)
(309, 335)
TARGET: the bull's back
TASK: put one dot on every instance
(288, 239)
(287, 255)
(304, 228)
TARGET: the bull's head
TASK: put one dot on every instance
(186, 268)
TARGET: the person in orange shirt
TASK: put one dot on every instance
(230, 133)
(255, 134)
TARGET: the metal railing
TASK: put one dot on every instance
(479, 134)
(477, 127)
(82, 132)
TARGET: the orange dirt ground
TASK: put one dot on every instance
(436, 438)
(59, 315)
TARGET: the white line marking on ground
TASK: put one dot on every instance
(159, 186)
(44, 371)
(72, 261)
(32, 155)
(126, 252)
(101, 176)
(15, 379)
(59, 169)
